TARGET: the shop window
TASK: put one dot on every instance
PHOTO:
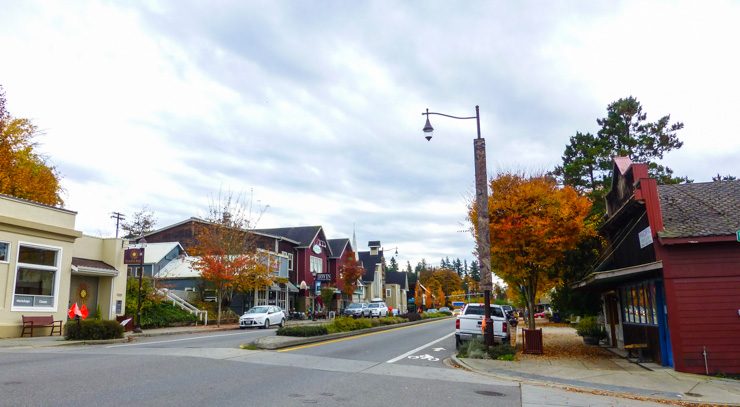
(4, 252)
(36, 277)
(638, 304)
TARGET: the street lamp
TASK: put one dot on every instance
(481, 199)
(142, 243)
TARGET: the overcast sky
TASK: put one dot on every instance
(315, 106)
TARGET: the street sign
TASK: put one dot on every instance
(458, 303)
(323, 277)
(133, 256)
(318, 287)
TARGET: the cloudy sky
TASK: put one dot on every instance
(315, 106)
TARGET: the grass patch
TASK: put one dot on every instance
(248, 346)
(474, 349)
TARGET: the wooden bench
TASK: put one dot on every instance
(46, 321)
(639, 347)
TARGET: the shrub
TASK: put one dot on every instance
(589, 326)
(448, 313)
(475, 349)
(346, 324)
(412, 316)
(303, 330)
(162, 314)
(428, 315)
(93, 329)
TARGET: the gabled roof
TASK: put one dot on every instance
(304, 235)
(179, 268)
(397, 277)
(78, 263)
(700, 209)
(338, 246)
(154, 252)
(368, 262)
(205, 222)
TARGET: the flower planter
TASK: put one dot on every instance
(532, 341)
(590, 340)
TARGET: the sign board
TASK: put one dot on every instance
(133, 256)
(458, 303)
(323, 277)
(738, 235)
(318, 287)
(646, 237)
(119, 307)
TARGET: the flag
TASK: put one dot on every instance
(83, 311)
(74, 311)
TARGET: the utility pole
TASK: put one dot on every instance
(118, 216)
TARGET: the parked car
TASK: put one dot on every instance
(357, 310)
(444, 309)
(541, 315)
(432, 310)
(468, 324)
(456, 312)
(378, 309)
(262, 316)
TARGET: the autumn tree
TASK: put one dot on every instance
(350, 271)
(448, 279)
(228, 257)
(141, 223)
(24, 173)
(625, 131)
(437, 294)
(533, 223)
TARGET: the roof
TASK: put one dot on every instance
(373, 243)
(154, 252)
(179, 268)
(337, 246)
(304, 235)
(622, 163)
(397, 277)
(700, 209)
(81, 263)
(368, 262)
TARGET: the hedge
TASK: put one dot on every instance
(93, 329)
(303, 330)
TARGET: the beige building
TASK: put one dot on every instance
(46, 265)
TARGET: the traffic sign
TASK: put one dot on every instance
(458, 303)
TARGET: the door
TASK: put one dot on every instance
(84, 290)
(664, 333)
(612, 315)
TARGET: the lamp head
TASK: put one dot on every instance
(428, 129)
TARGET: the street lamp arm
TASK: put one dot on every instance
(447, 115)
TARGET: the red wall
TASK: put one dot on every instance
(702, 284)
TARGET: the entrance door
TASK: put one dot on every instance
(664, 334)
(84, 290)
(612, 316)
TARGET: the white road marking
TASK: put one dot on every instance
(424, 357)
(438, 349)
(411, 352)
(176, 340)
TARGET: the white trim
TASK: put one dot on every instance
(57, 277)
(7, 252)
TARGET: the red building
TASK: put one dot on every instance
(671, 276)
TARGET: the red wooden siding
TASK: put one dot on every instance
(702, 284)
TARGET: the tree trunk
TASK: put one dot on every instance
(531, 292)
(218, 298)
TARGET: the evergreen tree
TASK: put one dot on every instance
(474, 270)
(421, 266)
(408, 267)
(457, 266)
(394, 265)
(465, 267)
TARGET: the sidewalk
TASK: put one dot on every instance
(594, 369)
(50, 341)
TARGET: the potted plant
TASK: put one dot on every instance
(591, 331)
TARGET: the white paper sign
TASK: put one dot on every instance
(646, 237)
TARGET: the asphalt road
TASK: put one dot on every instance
(403, 366)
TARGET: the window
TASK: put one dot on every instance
(290, 259)
(36, 276)
(638, 304)
(387, 292)
(316, 265)
(4, 252)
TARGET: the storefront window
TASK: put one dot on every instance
(4, 252)
(638, 304)
(36, 277)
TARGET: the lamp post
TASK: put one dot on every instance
(137, 328)
(481, 199)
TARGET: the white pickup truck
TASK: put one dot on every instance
(469, 322)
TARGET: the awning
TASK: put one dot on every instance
(281, 287)
(618, 275)
(92, 268)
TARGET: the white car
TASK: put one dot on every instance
(378, 309)
(262, 316)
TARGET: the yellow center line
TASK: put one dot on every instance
(311, 345)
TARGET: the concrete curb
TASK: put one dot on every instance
(281, 342)
(632, 395)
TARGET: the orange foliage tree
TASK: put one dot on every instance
(533, 222)
(23, 172)
(228, 256)
(349, 272)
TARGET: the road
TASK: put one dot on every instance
(404, 366)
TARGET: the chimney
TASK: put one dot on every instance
(374, 246)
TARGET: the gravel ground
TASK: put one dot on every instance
(560, 342)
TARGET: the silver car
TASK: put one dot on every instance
(378, 309)
(357, 310)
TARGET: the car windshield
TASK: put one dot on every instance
(478, 310)
(355, 306)
(373, 305)
(257, 310)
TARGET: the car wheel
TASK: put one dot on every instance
(458, 344)
(282, 323)
(267, 323)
